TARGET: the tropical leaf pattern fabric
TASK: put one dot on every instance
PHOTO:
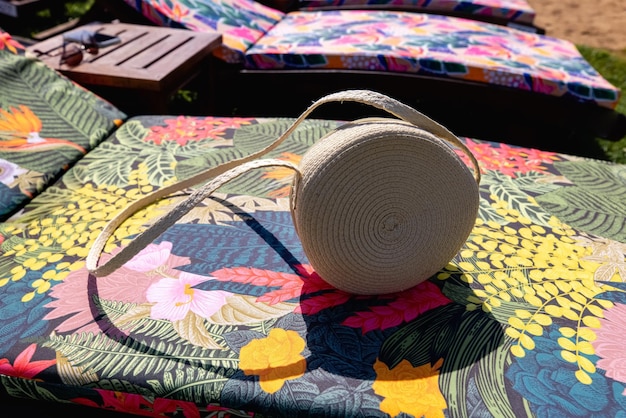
(400, 42)
(518, 11)
(46, 124)
(223, 316)
(241, 22)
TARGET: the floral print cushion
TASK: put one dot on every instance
(46, 124)
(223, 316)
(432, 45)
(419, 43)
(241, 22)
(518, 11)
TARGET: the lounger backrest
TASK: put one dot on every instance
(517, 11)
(47, 123)
(241, 22)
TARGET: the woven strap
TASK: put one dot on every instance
(234, 168)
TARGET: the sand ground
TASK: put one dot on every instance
(595, 23)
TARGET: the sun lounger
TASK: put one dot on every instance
(480, 79)
(223, 316)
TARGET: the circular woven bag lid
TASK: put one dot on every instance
(382, 206)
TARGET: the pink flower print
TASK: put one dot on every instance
(508, 160)
(609, 348)
(488, 51)
(151, 257)
(174, 298)
(73, 298)
(23, 366)
(131, 403)
(245, 33)
(544, 86)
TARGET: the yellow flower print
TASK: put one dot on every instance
(408, 389)
(55, 244)
(532, 277)
(275, 359)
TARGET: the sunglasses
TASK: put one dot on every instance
(72, 50)
(73, 47)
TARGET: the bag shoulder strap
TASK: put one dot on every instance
(234, 168)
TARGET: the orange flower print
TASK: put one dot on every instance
(275, 359)
(19, 131)
(408, 389)
(7, 41)
(283, 175)
(176, 13)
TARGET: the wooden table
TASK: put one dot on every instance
(141, 73)
(18, 8)
(16, 14)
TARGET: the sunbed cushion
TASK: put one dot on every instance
(438, 46)
(433, 45)
(241, 22)
(223, 314)
(47, 123)
(518, 11)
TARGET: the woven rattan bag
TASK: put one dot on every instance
(379, 204)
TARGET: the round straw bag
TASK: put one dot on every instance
(379, 204)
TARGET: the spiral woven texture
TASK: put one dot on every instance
(382, 206)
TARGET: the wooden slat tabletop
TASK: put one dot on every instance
(147, 58)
